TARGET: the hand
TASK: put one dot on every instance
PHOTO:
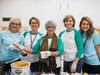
(48, 53)
(15, 47)
(12, 47)
(20, 46)
(73, 67)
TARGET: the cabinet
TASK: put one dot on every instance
(98, 30)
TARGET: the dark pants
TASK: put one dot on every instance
(57, 71)
(8, 67)
(35, 66)
(91, 68)
(67, 66)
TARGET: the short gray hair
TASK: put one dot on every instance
(50, 23)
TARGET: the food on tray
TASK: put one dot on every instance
(20, 64)
(72, 73)
(85, 74)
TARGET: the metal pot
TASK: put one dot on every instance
(2, 67)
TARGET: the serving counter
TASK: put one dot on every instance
(35, 73)
(32, 73)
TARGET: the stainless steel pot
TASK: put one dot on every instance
(2, 67)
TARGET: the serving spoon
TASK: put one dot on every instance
(23, 53)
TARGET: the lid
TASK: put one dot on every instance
(2, 62)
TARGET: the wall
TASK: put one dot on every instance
(49, 10)
(0, 8)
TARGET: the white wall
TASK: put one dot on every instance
(0, 15)
(49, 10)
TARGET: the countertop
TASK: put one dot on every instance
(35, 73)
(32, 73)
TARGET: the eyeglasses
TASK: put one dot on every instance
(34, 23)
(15, 24)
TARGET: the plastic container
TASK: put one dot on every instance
(43, 56)
(20, 70)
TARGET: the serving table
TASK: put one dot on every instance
(35, 73)
(32, 73)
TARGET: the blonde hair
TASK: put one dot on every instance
(20, 27)
(38, 21)
(68, 17)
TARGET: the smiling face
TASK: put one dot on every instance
(69, 24)
(34, 24)
(50, 30)
(85, 26)
(14, 26)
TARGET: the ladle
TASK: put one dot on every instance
(23, 53)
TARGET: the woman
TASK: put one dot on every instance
(30, 39)
(91, 46)
(11, 36)
(53, 47)
(73, 46)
